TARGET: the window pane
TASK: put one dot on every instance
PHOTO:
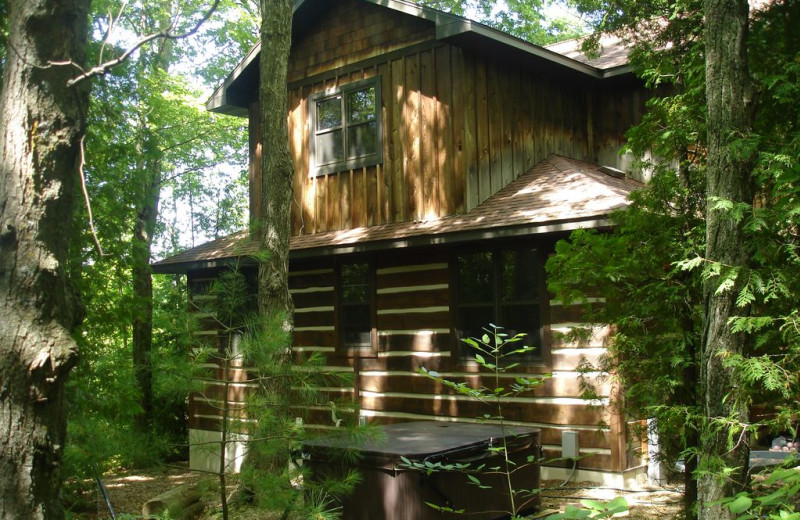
(362, 140)
(355, 283)
(519, 274)
(522, 319)
(356, 325)
(471, 324)
(330, 147)
(329, 113)
(361, 105)
(475, 278)
(355, 310)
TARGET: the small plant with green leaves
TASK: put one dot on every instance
(593, 509)
(497, 354)
(265, 427)
(774, 496)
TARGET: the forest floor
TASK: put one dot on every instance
(129, 491)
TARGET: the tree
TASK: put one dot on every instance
(742, 114)
(149, 132)
(274, 301)
(525, 19)
(653, 304)
(730, 187)
(42, 123)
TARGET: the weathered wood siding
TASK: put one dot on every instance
(457, 126)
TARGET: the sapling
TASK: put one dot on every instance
(497, 354)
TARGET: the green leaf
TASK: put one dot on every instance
(740, 504)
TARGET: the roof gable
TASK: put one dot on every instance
(447, 27)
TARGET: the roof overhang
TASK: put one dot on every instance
(450, 28)
(422, 240)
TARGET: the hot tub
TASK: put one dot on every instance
(389, 490)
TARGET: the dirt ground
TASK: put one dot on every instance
(128, 492)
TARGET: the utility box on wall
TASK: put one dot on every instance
(390, 490)
(569, 445)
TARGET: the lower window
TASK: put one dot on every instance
(355, 306)
(503, 288)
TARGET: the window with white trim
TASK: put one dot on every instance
(346, 127)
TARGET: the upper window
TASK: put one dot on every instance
(346, 131)
(355, 306)
(503, 288)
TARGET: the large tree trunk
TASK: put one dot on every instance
(276, 163)
(42, 123)
(144, 229)
(274, 301)
(729, 119)
(151, 175)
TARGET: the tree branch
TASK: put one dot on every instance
(167, 33)
(88, 203)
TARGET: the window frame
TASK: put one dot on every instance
(356, 350)
(458, 348)
(346, 163)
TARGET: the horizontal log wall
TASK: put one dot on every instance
(412, 319)
(207, 401)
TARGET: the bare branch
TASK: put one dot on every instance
(88, 203)
(112, 22)
(164, 33)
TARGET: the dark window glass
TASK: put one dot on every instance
(362, 140)
(330, 147)
(346, 129)
(361, 105)
(476, 278)
(519, 275)
(500, 288)
(518, 319)
(329, 113)
(355, 310)
(472, 321)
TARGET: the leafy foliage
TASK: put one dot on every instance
(653, 304)
(495, 353)
(669, 50)
(284, 391)
(146, 111)
(521, 18)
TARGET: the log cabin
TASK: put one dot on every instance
(437, 162)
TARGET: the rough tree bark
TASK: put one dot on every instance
(143, 232)
(276, 161)
(42, 123)
(729, 118)
(274, 301)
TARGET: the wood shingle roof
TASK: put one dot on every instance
(558, 194)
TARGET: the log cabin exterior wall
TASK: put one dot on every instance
(457, 126)
(413, 329)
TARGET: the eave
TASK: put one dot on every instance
(450, 28)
